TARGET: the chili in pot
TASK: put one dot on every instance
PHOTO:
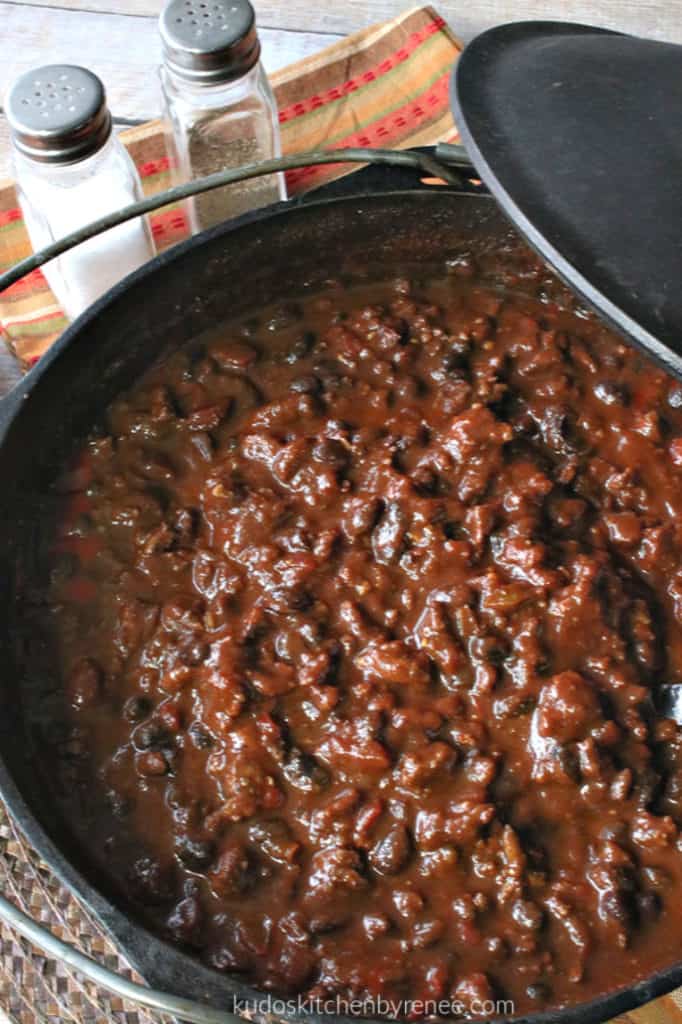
(360, 608)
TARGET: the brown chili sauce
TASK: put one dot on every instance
(361, 609)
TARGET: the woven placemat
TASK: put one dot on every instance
(35, 989)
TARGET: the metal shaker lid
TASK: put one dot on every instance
(58, 114)
(209, 41)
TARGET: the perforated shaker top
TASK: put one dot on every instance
(209, 41)
(58, 113)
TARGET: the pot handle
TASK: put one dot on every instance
(443, 166)
(393, 178)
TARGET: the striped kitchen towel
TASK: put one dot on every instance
(386, 86)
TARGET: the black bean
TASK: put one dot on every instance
(330, 372)
(389, 534)
(648, 906)
(194, 653)
(202, 740)
(425, 480)
(301, 347)
(186, 524)
(120, 805)
(136, 709)
(304, 772)
(150, 881)
(184, 922)
(527, 915)
(559, 431)
(195, 854)
(308, 384)
(203, 444)
(538, 991)
(390, 854)
(610, 393)
(456, 359)
(285, 316)
(150, 736)
(496, 655)
(331, 452)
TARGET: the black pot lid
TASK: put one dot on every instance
(577, 132)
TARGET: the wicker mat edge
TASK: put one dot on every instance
(36, 989)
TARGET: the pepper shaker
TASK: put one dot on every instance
(71, 169)
(220, 109)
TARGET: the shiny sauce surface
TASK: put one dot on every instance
(360, 611)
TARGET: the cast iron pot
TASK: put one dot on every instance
(380, 223)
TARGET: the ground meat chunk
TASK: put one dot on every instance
(435, 636)
(418, 770)
(474, 992)
(229, 875)
(461, 823)
(393, 663)
(351, 748)
(473, 429)
(335, 874)
(245, 777)
(568, 705)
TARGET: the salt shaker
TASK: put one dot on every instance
(70, 169)
(220, 109)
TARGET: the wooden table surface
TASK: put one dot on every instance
(118, 40)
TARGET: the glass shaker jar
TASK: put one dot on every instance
(220, 109)
(70, 169)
